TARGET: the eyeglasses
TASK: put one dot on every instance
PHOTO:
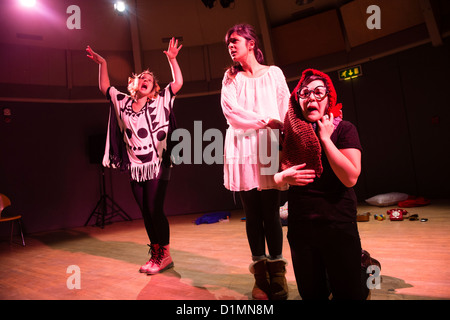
(320, 92)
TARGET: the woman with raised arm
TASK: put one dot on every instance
(137, 141)
(254, 101)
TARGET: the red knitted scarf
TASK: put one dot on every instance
(300, 143)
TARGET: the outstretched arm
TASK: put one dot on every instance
(103, 77)
(171, 53)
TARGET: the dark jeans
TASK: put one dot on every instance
(150, 197)
(263, 223)
(327, 259)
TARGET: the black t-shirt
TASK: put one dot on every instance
(327, 199)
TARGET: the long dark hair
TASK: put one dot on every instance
(248, 33)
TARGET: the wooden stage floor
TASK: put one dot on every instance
(211, 260)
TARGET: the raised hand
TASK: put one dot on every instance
(94, 56)
(326, 126)
(173, 49)
(103, 79)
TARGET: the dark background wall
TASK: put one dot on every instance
(402, 122)
(48, 172)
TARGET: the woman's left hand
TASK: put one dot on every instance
(275, 124)
(326, 126)
(295, 175)
(173, 49)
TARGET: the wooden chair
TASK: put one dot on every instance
(5, 202)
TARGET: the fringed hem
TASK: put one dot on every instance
(144, 172)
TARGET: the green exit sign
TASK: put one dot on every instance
(350, 73)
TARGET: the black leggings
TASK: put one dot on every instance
(150, 197)
(327, 259)
(263, 223)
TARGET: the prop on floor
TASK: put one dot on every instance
(213, 217)
(379, 217)
(363, 217)
(413, 201)
(387, 199)
(397, 214)
(403, 200)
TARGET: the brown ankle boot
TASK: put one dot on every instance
(278, 284)
(261, 289)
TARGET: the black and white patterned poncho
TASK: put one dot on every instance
(137, 141)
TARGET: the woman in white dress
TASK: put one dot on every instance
(255, 100)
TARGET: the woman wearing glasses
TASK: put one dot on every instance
(321, 161)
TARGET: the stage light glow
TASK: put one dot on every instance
(120, 6)
(28, 3)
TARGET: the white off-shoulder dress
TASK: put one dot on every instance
(251, 149)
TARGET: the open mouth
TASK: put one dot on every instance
(313, 108)
(144, 87)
